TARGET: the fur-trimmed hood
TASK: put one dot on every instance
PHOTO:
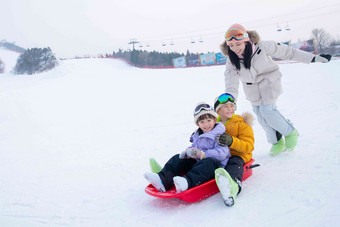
(253, 36)
(248, 118)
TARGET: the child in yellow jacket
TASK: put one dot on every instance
(239, 137)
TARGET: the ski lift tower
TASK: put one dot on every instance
(133, 42)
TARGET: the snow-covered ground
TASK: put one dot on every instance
(9, 58)
(75, 142)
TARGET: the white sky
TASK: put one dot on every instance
(80, 27)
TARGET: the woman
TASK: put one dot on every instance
(250, 61)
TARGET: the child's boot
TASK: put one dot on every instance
(278, 147)
(155, 180)
(181, 184)
(227, 186)
(291, 139)
(155, 167)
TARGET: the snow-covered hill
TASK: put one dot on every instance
(75, 142)
(9, 58)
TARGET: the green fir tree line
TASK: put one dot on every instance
(143, 58)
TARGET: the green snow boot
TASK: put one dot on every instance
(278, 147)
(291, 140)
(155, 167)
(227, 186)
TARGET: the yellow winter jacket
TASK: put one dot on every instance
(239, 127)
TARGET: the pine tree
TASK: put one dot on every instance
(35, 60)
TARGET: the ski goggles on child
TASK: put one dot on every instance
(235, 33)
(224, 98)
(201, 107)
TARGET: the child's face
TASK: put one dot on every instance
(207, 124)
(226, 111)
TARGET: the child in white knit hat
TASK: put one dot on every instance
(198, 161)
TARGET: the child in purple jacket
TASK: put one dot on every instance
(198, 161)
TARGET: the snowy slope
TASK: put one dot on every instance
(75, 142)
(9, 58)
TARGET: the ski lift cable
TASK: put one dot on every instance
(251, 22)
(258, 26)
(299, 18)
(213, 34)
(298, 12)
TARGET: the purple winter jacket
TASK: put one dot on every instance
(206, 142)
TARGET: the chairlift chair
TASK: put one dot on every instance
(279, 28)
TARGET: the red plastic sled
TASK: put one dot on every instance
(199, 192)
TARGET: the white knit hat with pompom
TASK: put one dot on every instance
(203, 108)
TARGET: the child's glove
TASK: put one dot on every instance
(195, 153)
(324, 58)
(224, 140)
(183, 155)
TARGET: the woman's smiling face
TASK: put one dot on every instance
(238, 47)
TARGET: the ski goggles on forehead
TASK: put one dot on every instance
(235, 33)
(201, 107)
(224, 98)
